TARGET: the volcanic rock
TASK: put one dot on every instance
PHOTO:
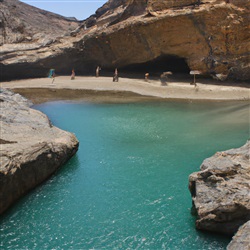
(221, 191)
(31, 148)
(210, 36)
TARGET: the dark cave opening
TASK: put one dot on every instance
(156, 67)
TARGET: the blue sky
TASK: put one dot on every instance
(81, 9)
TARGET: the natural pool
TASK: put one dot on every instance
(127, 187)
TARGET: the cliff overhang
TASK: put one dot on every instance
(209, 36)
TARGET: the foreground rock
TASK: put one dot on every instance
(241, 241)
(221, 191)
(149, 36)
(31, 148)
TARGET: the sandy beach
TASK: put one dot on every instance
(127, 89)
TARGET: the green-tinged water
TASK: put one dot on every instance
(127, 187)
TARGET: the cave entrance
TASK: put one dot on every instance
(156, 67)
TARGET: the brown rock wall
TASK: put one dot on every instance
(161, 5)
(212, 37)
(20, 22)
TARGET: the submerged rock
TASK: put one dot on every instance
(31, 148)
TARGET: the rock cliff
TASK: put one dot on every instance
(211, 36)
(31, 148)
(26, 34)
(22, 23)
(221, 191)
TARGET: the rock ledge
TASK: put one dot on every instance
(221, 192)
(31, 148)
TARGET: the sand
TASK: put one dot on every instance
(127, 89)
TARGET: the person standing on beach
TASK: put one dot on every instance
(97, 71)
(115, 77)
(73, 74)
(53, 76)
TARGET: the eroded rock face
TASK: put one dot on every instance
(221, 191)
(26, 34)
(161, 5)
(209, 36)
(31, 148)
(21, 23)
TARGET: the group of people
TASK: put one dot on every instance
(52, 74)
(163, 78)
(115, 76)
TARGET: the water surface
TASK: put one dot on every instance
(127, 187)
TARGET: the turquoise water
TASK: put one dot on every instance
(127, 187)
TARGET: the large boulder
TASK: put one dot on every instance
(221, 191)
(31, 148)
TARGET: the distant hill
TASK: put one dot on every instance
(20, 22)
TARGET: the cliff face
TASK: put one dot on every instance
(31, 148)
(210, 36)
(22, 23)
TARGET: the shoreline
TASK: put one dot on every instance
(39, 91)
(103, 89)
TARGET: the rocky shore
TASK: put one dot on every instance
(221, 195)
(31, 148)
